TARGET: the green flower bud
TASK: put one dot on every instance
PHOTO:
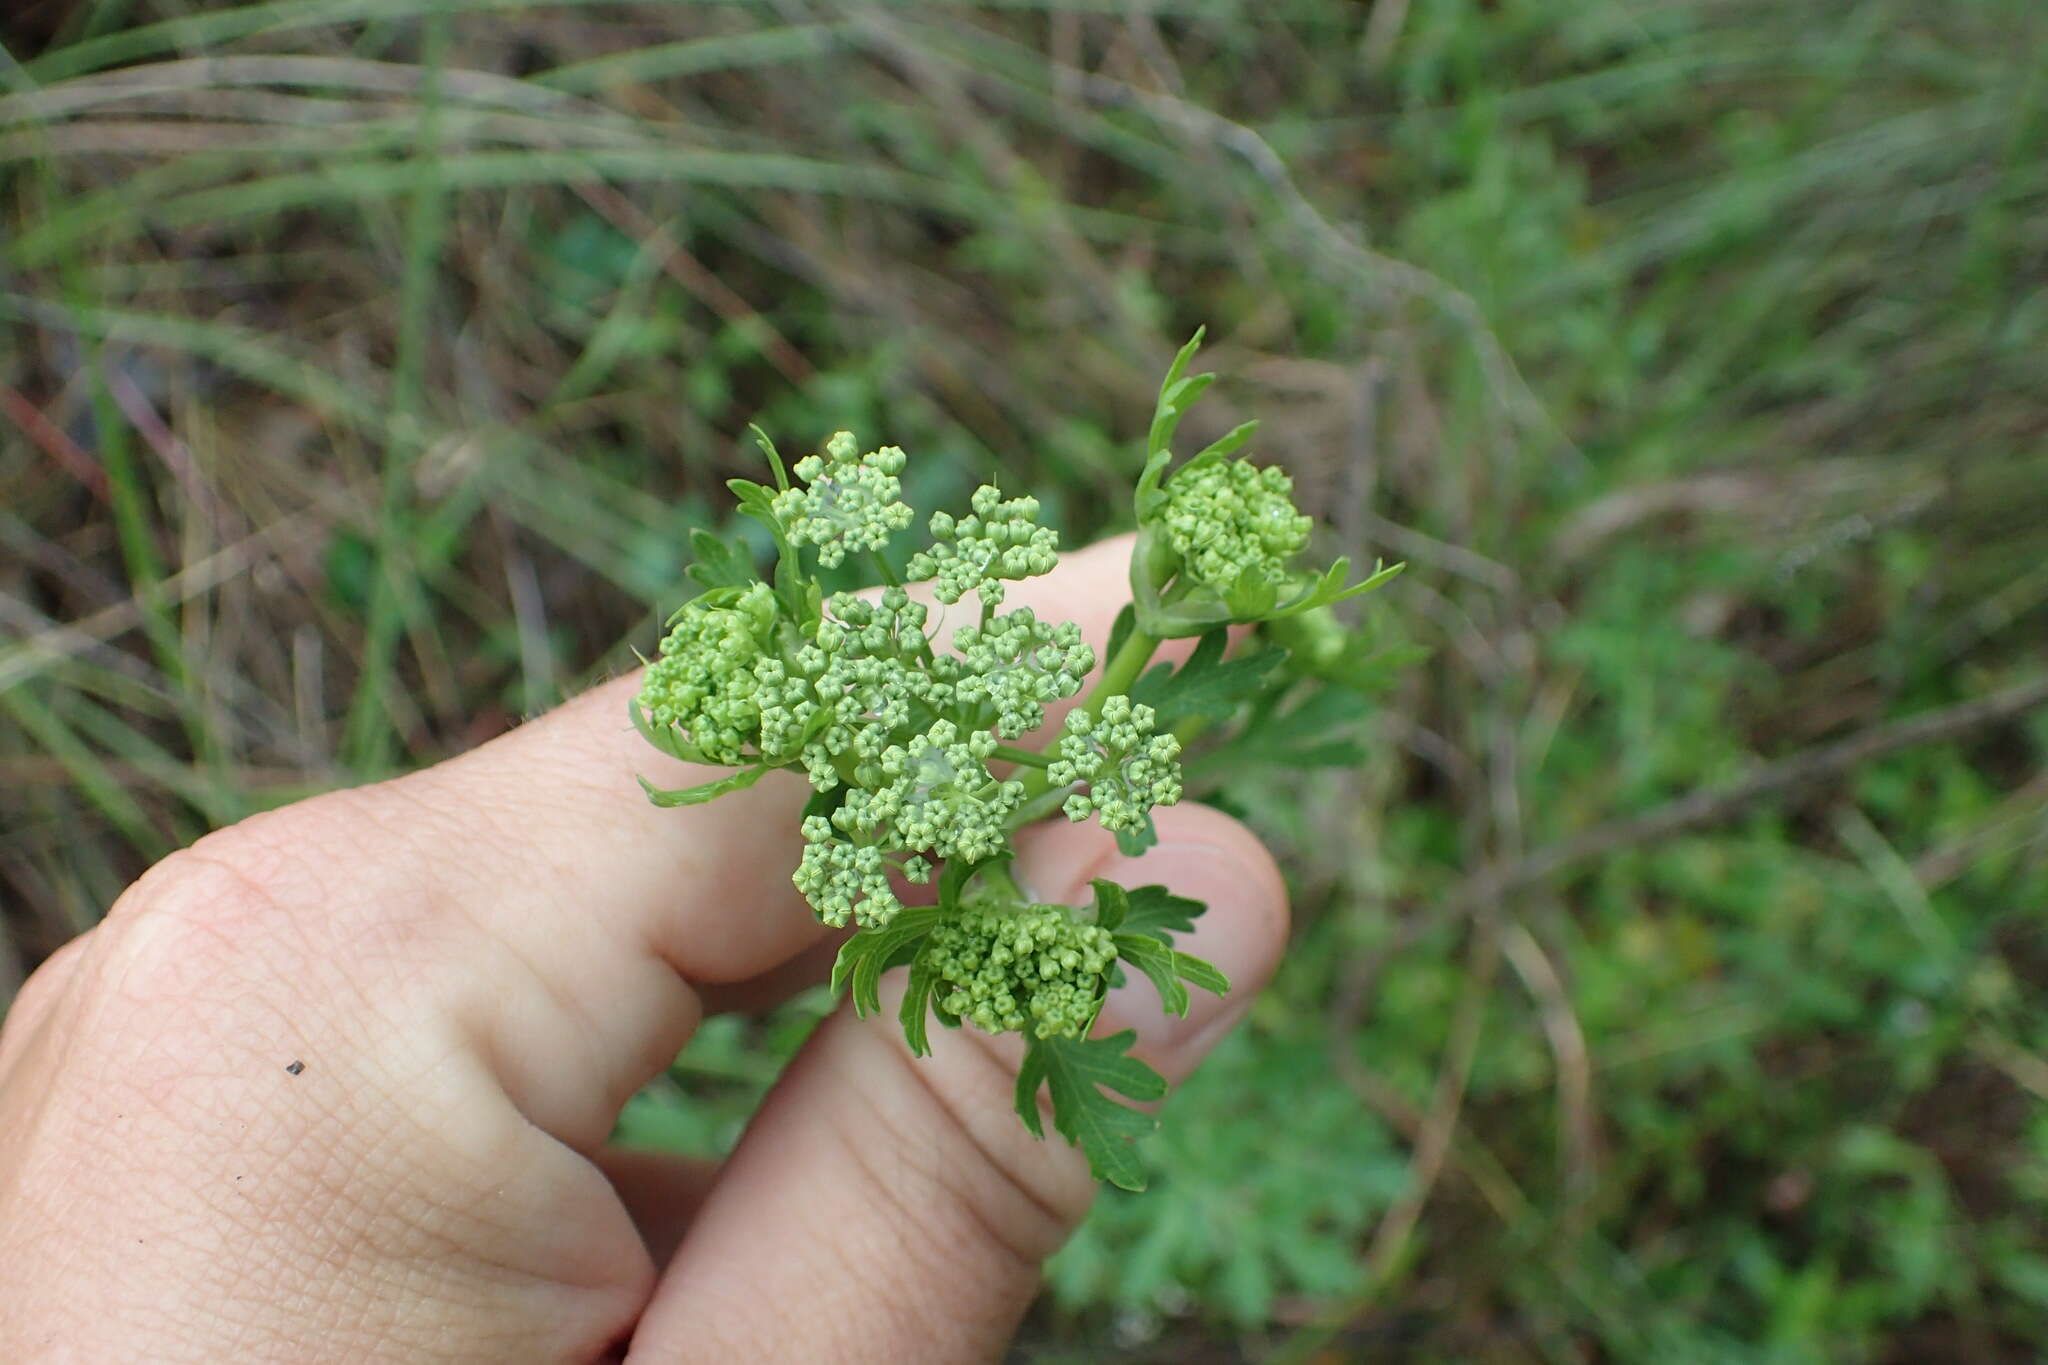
(720, 684)
(975, 554)
(1014, 666)
(1127, 768)
(844, 880)
(1227, 519)
(1013, 968)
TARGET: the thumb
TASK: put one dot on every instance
(887, 1208)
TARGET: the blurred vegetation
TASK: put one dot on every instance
(367, 362)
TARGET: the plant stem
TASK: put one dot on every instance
(1123, 669)
(1030, 758)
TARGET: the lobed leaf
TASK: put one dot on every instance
(1207, 685)
(916, 1007)
(774, 456)
(1201, 972)
(1158, 912)
(1227, 444)
(1155, 959)
(870, 952)
(719, 563)
(1126, 622)
(1174, 397)
(1330, 589)
(1168, 969)
(1077, 1072)
(1112, 903)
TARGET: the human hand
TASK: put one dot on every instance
(336, 1082)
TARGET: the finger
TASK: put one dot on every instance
(37, 999)
(898, 1202)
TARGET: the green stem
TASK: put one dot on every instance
(1030, 758)
(1123, 669)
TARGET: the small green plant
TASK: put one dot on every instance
(925, 759)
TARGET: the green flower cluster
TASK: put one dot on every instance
(896, 736)
(853, 501)
(975, 554)
(1005, 673)
(1012, 968)
(844, 880)
(720, 679)
(1127, 768)
(925, 755)
(1230, 518)
(933, 797)
(864, 662)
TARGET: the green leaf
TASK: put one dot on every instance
(1373, 672)
(1030, 1079)
(915, 1008)
(1174, 403)
(1158, 912)
(1112, 904)
(1228, 444)
(755, 500)
(774, 457)
(709, 791)
(719, 563)
(798, 591)
(870, 952)
(1330, 589)
(1321, 730)
(1253, 596)
(825, 803)
(1077, 1071)
(1174, 397)
(957, 872)
(1179, 366)
(662, 737)
(1199, 972)
(1206, 686)
(1168, 968)
(1152, 957)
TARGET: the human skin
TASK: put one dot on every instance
(474, 967)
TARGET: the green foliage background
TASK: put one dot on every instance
(366, 364)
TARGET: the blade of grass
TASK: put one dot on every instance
(99, 786)
(367, 738)
(697, 56)
(193, 32)
(113, 215)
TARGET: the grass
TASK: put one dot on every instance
(364, 380)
